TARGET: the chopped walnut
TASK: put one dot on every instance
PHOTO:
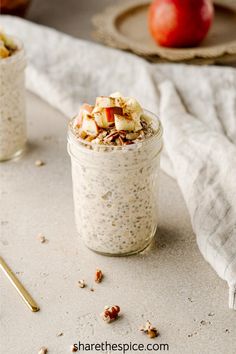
(81, 283)
(132, 136)
(39, 163)
(43, 350)
(98, 276)
(110, 313)
(151, 331)
(82, 134)
(73, 348)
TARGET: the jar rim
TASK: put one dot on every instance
(90, 146)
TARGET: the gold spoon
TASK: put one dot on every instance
(18, 286)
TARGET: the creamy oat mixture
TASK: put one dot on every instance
(12, 97)
(115, 150)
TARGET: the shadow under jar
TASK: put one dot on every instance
(115, 190)
(12, 104)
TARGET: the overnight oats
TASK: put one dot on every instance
(115, 150)
(12, 98)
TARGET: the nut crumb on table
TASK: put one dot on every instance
(39, 163)
(150, 330)
(42, 238)
(210, 314)
(43, 350)
(98, 276)
(60, 334)
(81, 283)
(110, 313)
(73, 348)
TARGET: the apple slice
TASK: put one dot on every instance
(105, 117)
(85, 108)
(133, 107)
(105, 102)
(110, 112)
(116, 95)
(101, 119)
(123, 123)
(89, 125)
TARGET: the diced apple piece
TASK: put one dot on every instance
(77, 121)
(123, 123)
(89, 125)
(116, 94)
(101, 119)
(105, 102)
(87, 108)
(120, 100)
(84, 109)
(133, 107)
(137, 125)
(109, 115)
(146, 118)
(97, 109)
(110, 112)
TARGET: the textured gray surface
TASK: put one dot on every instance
(156, 284)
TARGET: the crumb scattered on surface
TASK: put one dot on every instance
(59, 334)
(39, 163)
(210, 314)
(192, 334)
(92, 289)
(163, 245)
(82, 283)
(43, 350)
(110, 313)
(42, 238)
(204, 323)
(98, 276)
(190, 299)
(150, 330)
(73, 348)
(227, 330)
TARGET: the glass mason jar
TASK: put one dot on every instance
(12, 104)
(115, 190)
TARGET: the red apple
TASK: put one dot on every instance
(180, 23)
